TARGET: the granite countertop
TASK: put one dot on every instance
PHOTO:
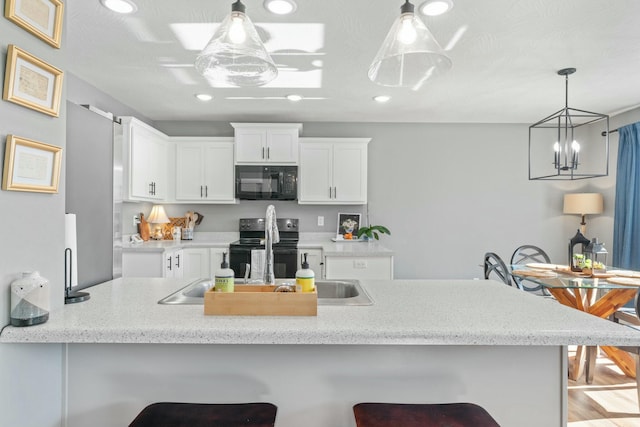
(405, 312)
(307, 241)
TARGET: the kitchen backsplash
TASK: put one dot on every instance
(224, 218)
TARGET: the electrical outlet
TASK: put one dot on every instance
(320, 221)
(359, 263)
(136, 220)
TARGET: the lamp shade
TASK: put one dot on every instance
(158, 215)
(583, 203)
(235, 54)
(409, 55)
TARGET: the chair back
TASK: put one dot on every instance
(495, 268)
(526, 254)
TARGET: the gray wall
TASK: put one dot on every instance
(32, 239)
(448, 193)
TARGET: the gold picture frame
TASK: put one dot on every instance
(32, 83)
(42, 18)
(31, 166)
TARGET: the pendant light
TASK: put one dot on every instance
(409, 55)
(577, 150)
(235, 54)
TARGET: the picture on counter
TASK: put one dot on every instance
(31, 166)
(348, 224)
(31, 82)
(42, 18)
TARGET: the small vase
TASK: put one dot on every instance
(29, 300)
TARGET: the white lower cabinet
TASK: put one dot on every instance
(153, 264)
(196, 263)
(369, 267)
(314, 258)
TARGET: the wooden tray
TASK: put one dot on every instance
(260, 300)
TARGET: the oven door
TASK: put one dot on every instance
(284, 261)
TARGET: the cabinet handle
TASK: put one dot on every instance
(268, 152)
(263, 152)
(206, 191)
(330, 196)
(178, 261)
(335, 192)
(201, 191)
(169, 263)
(151, 188)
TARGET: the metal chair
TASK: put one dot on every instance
(169, 414)
(526, 254)
(422, 415)
(495, 268)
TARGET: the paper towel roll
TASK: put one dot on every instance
(71, 242)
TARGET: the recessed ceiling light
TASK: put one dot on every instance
(381, 98)
(204, 97)
(294, 98)
(436, 7)
(120, 6)
(280, 7)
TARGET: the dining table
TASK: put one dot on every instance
(600, 294)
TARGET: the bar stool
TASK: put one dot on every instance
(422, 415)
(168, 414)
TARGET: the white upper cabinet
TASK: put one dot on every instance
(333, 171)
(145, 161)
(204, 170)
(259, 143)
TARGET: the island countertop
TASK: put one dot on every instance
(406, 312)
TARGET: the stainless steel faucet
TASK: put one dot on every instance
(271, 236)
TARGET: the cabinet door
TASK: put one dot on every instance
(315, 182)
(282, 146)
(196, 263)
(218, 172)
(159, 162)
(350, 173)
(189, 172)
(143, 264)
(251, 145)
(142, 162)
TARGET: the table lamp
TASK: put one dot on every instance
(583, 204)
(158, 216)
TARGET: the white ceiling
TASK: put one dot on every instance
(505, 56)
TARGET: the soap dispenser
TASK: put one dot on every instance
(224, 276)
(305, 278)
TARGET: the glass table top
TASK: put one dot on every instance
(559, 279)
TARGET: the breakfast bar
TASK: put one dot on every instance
(421, 341)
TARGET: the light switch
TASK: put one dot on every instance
(320, 221)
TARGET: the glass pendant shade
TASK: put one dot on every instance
(235, 54)
(569, 144)
(409, 55)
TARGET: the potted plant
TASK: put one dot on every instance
(371, 232)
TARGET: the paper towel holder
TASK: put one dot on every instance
(71, 297)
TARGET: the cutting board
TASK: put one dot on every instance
(143, 228)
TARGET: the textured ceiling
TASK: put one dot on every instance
(505, 56)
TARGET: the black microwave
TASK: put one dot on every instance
(267, 182)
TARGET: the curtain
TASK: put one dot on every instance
(626, 219)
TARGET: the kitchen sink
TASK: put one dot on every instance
(330, 292)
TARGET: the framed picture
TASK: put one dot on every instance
(348, 223)
(31, 166)
(42, 18)
(32, 83)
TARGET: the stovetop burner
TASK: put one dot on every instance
(252, 233)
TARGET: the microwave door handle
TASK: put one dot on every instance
(281, 182)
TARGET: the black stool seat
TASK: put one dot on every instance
(167, 414)
(422, 415)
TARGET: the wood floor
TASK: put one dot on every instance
(611, 400)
